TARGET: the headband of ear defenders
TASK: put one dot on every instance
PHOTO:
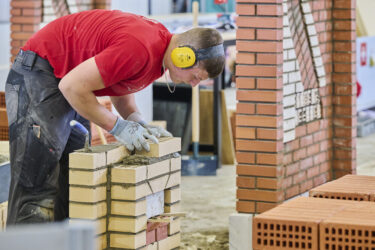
(186, 56)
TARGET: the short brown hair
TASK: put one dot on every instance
(201, 38)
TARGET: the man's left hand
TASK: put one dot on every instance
(157, 131)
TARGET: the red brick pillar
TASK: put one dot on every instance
(26, 16)
(259, 121)
(344, 92)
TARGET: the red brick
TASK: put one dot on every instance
(292, 169)
(258, 170)
(313, 149)
(245, 206)
(15, 12)
(322, 157)
(245, 58)
(262, 146)
(287, 158)
(162, 232)
(291, 146)
(15, 27)
(271, 58)
(269, 109)
(260, 121)
(30, 27)
(301, 130)
(306, 140)
(345, 132)
(260, 195)
(345, 100)
(270, 134)
(245, 157)
(245, 133)
(344, 142)
(306, 163)
(267, 34)
(269, 83)
(245, 108)
(345, 121)
(32, 12)
(344, 57)
(259, 95)
(245, 33)
(26, 4)
(344, 35)
(260, 22)
(264, 206)
(311, 172)
(343, 110)
(150, 236)
(305, 186)
(256, 70)
(21, 35)
(269, 10)
(343, 13)
(245, 9)
(22, 20)
(259, 46)
(245, 182)
(299, 177)
(272, 159)
(299, 154)
(245, 83)
(292, 191)
(313, 126)
(344, 154)
(268, 183)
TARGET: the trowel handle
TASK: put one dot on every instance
(78, 127)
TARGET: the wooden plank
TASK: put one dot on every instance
(87, 160)
(129, 241)
(87, 178)
(126, 224)
(129, 193)
(167, 145)
(172, 195)
(89, 194)
(87, 211)
(128, 208)
(128, 174)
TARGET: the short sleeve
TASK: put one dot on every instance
(122, 60)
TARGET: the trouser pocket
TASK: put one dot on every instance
(39, 160)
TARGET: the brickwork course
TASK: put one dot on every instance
(295, 125)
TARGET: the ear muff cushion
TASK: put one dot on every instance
(183, 57)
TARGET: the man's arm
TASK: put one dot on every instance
(125, 105)
(77, 87)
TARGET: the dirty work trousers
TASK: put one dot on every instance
(40, 141)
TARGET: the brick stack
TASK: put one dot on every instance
(314, 223)
(4, 131)
(3, 215)
(348, 187)
(119, 193)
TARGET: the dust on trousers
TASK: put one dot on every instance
(40, 140)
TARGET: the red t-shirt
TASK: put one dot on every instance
(128, 48)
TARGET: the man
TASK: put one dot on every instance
(56, 78)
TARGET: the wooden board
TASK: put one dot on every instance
(207, 125)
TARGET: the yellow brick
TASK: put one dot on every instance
(167, 145)
(87, 211)
(174, 180)
(174, 226)
(128, 208)
(128, 174)
(174, 241)
(175, 164)
(172, 195)
(157, 184)
(129, 193)
(88, 178)
(100, 224)
(129, 241)
(92, 194)
(172, 208)
(127, 224)
(101, 241)
(87, 160)
(117, 154)
(157, 169)
(153, 246)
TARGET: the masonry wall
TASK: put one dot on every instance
(295, 78)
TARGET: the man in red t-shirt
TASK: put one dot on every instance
(56, 78)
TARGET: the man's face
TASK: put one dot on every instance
(191, 76)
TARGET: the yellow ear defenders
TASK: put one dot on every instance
(186, 57)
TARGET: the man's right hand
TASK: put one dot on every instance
(132, 134)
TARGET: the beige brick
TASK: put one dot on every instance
(157, 169)
(174, 241)
(100, 224)
(175, 164)
(87, 178)
(172, 195)
(117, 154)
(153, 246)
(156, 185)
(87, 160)
(129, 193)
(128, 208)
(164, 243)
(174, 226)
(87, 211)
(127, 224)
(89, 194)
(128, 174)
(174, 180)
(129, 241)
(4, 148)
(172, 208)
(167, 145)
(101, 241)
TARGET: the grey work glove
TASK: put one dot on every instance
(152, 129)
(157, 131)
(132, 134)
